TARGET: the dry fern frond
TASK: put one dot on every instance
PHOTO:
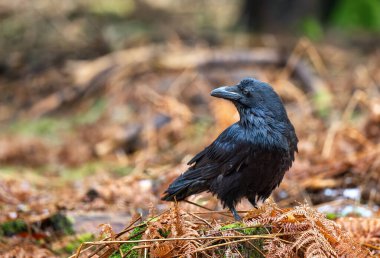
(191, 245)
(296, 226)
(175, 223)
(275, 248)
(311, 234)
(162, 250)
(106, 230)
(176, 227)
(365, 230)
(264, 215)
(314, 242)
(315, 251)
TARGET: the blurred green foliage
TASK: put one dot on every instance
(46, 127)
(332, 216)
(40, 34)
(13, 227)
(322, 101)
(58, 222)
(112, 7)
(348, 15)
(312, 28)
(357, 14)
(61, 224)
(51, 127)
(75, 243)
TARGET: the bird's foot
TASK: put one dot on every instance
(236, 215)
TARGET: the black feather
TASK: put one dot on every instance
(249, 159)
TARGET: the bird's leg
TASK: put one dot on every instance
(234, 212)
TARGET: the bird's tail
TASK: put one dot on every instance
(187, 184)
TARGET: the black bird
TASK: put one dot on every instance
(249, 158)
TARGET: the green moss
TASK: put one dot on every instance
(71, 247)
(136, 234)
(247, 250)
(79, 239)
(125, 248)
(85, 237)
(163, 233)
(232, 226)
(61, 224)
(58, 223)
(256, 231)
(241, 227)
(259, 243)
(10, 228)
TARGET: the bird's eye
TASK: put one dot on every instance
(245, 92)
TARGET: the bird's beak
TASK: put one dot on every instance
(226, 92)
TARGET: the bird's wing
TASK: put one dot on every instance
(224, 156)
(292, 141)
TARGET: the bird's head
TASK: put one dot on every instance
(253, 96)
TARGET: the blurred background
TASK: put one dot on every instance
(103, 102)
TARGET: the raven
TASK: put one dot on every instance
(249, 158)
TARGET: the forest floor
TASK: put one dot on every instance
(88, 148)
